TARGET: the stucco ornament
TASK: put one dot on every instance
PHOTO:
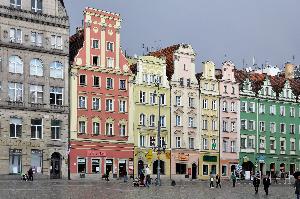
(110, 32)
(96, 30)
(125, 68)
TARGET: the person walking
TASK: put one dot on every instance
(107, 175)
(233, 178)
(148, 173)
(125, 175)
(266, 183)
(211, 184)
(297, 187)
(30, 174)
(256, 183)
(218, 181)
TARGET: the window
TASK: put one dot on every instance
(178, 120)
(214, 125)
(292, 112)
(273, 110)
(96, 81)
(225, 106)
(225, 126)
(178, 142)
(293, 146)
(56, 42)
(282, 128)
(81, 165)
(205, 144)
(232, 107)
(82, 102)
(36, 94)
(152, 98)
(204, 124)
(292, 128)
(243, 124)
(15, 127)
(109, 83)
(205, 170)
(95, 165)
(181, 81)
(262, 126)
(232, 126)
(36, 128)
(178, 100)
(225, 89)
(142, 119)
(252, 107)
(55, 129)
(213, 87)
(243, 106)
(109, 105)
(15, 92)
(233, 91)
(162, 141)
(95, 44)
(15, 4)
(36, 67)
(109, 129)
(162, 121)
(191, 122)
(251, 143)
(204, 104)
(191, 102)
(82, 127)
(251, 125)
(272, 127)
(142, 141)
(180, 169)
(282, 145)
(96, 128)
(205, 86)
(122, 130)
(142, 97)
(224, 170)
(282, 110)
(152, 120)
(213, 144)
(36, 6)
(110, 46)
(82, 80)
(122, 84)
(272, 145)
(56, 70)
(15, 65)
(261, 108)
(36, 39)
(152, 141)
(110, 63)
(56, 96)
(96, 103)
(191, 143)
(162, 99)
(96, 60)
(214, 105)
(15, 35)
(36, 160)
(224, 145)
(188, 82)
(243, 143)
(122, 106)
(232, 146)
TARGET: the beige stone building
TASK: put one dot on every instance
(34, 51)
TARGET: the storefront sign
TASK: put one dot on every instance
(149, 155)
(183, 157)
(208, 158)
(94, 153)
(168, 155)
(19, 143)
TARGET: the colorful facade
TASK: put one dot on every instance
(99, 136)
(149, 87)
(209, 113)
(229, 120)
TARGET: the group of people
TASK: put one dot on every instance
(144, 177)
(28, 176)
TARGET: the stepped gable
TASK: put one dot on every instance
(277, 83)
(168, 54)
(257, 81)
(76, 43)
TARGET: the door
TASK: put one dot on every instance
(109, 166)
(55, 169)
(194, 171)
(122, 168)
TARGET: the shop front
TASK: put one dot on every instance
(209, 165)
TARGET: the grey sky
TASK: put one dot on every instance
(266, 29)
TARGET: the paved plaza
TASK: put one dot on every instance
(84, 189)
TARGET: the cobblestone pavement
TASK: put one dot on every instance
(83, 189)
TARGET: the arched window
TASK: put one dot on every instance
(56, 70)
(36, 67)
(142, 119)
(15, 65)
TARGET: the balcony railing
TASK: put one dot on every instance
(20, 105)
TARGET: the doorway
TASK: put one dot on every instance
(292, 169)
(108, 166)
(55, 169)
(262, 168)
(122, 168)
(194, 171)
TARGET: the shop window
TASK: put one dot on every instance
(95, 165)
(205, 170)
(224, 170)
(180, 168)
(213, 169)
(15, 161)
(162, 167)
(81, 165)
(36, 160)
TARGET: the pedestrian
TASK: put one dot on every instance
(256, 183)
(211, 184)
(233, 178)
(266, 183)
(142, 178)
(297, 187)
(107, 175)
(275, 178)
(125, 175)
(30, 174)
(148, 179)
(218, 181)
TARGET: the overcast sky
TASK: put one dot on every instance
(239, 29)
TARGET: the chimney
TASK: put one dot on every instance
(289, 70)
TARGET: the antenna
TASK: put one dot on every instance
(243, 62)
(293, 58)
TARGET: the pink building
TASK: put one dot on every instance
(229, 118)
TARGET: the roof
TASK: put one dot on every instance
(168, 54)
(76, 43)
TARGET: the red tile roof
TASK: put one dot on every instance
(76, 43)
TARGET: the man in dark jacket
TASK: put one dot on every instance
(267, 183)
(297, 188)
(30, 174)
(256, 183)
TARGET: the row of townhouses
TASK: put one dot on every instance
(78, 107)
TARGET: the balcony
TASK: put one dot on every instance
(20, 105)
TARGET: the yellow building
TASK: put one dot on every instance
(209, 131)
(144, 113)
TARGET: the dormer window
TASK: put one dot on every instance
(36, 6)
